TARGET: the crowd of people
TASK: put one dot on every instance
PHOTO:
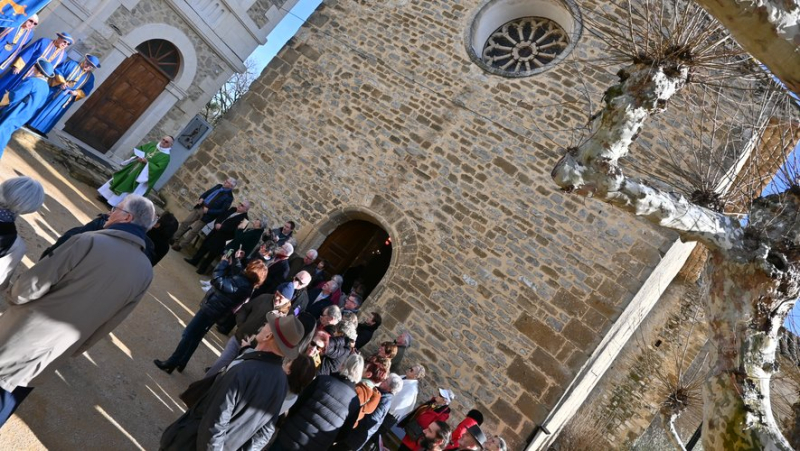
(282, 308)
(294, 374)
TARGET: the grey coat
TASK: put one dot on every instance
(67, 302)
(237, 413)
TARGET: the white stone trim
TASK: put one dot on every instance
(188, 69)
(607, 351)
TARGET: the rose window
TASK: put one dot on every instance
(524, 45)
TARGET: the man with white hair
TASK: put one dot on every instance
(404, 400)
(224, 230)
(320, 298)
(70, 300)
(403, 342)
(307, 263)
(211, 204)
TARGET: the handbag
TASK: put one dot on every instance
(197, 390)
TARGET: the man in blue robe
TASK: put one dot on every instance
(24, 101)
(13, 40)
(73, 81)
(55, 52)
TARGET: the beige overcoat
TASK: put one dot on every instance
(67, 302)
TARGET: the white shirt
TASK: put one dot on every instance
(405, 400)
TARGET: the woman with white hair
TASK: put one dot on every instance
(18, 196)
(326, 406)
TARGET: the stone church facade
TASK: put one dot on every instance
(406, 114)
(162, 61)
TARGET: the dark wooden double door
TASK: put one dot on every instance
(357, 243)
(111, 110)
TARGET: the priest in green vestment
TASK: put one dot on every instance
(139, 173)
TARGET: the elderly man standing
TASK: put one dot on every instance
(67, 302)
(307, 263)
(404, 400)
(240, 408)
(224, 230)
(54, 51)
(209, 207)
(139, 173)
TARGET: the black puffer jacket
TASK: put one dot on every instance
(335, 354)
(326, 406)
(230, 288)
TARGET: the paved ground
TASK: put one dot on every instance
(113, 397)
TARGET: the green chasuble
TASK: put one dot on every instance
(124, 180)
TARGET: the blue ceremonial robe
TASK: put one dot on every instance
(40, 48)
(59, 100)
(24, 100)
(10, 49)
(13, 14)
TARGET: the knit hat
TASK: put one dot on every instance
(286, 290)
(288, 332)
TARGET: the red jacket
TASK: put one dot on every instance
(424, 415)
(458, 432)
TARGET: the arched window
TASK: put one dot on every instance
(163, 54)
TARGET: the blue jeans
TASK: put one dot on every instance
(228, 355)
(191, 338)
(9, 401)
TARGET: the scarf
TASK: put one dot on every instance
(133, 229)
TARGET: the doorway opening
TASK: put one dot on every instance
(125, 95)
(360, 251)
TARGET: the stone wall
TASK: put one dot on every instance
(624, 404)
(374, 111)
(258, 10)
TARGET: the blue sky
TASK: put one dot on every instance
(281, 33)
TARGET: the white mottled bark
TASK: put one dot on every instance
(754, 270)
(591, 169)
(767, 29)
(668, 421)
(749, 296)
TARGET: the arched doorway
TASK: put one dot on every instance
(359, 251)
(125, 95)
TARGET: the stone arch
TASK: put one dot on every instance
(146, 32)
(176, 89)
(384, 214)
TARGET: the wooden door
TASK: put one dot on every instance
(347, 242)
(108, 113)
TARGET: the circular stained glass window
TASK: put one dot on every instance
(524, 45)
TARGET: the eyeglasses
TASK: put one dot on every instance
(32, 21)
(113, 209)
